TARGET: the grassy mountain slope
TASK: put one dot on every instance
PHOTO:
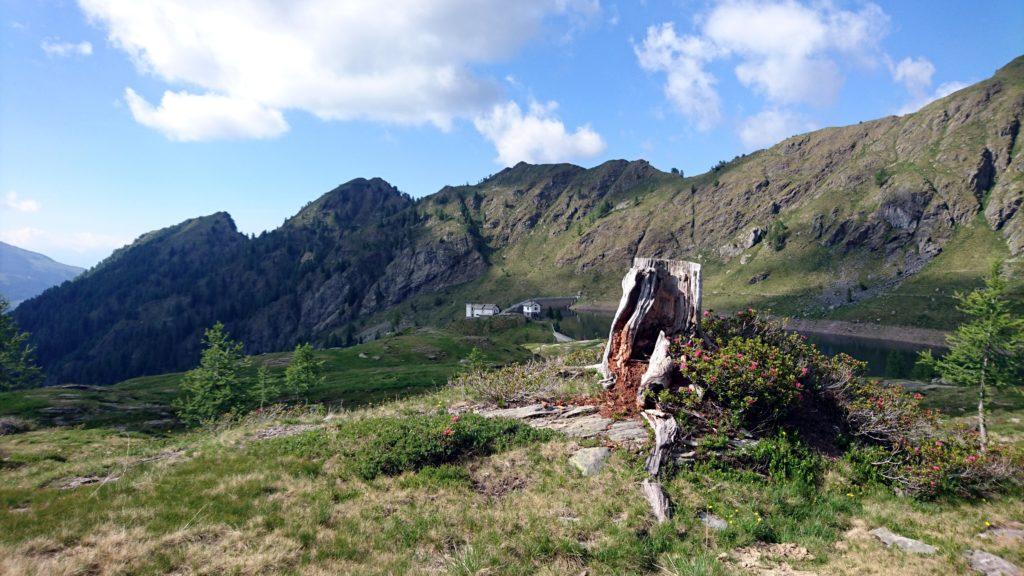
(874, 215)
(406, 364)
(868, 208)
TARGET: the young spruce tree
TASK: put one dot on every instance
(217, 385)
(303, 372)
(986, 351)
(264, 389)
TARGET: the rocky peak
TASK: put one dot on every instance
(351, 204)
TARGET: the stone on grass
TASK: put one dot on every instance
(627, 432)
(589, 461)
(891, 539)
(990, 564)
(1010, 533)
(712, 521)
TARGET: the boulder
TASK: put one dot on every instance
(990, 564)
(716, 523)
(589, 461)
(891, 539)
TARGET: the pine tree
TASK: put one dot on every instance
(217, 385)
(304, 371)
(17, 361)
(264, 389)
(986, 351)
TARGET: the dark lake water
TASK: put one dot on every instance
(885, 359)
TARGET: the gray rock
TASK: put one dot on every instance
(575, 421)
(589, 461)
(730, 250)
(628, 432)
(891, 539)
(1003, 533)
(521, 413)
(579, 411)
(754, 237)
(581, 427)
(990, 564)
(712, 521)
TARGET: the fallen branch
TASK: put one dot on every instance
(656, 498)
(665, 432)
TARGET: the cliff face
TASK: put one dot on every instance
(820, 220)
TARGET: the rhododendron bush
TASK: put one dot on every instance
(747, 372)
(746, 375)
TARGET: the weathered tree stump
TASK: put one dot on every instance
(660, 301)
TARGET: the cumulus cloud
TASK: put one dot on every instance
(536, 136)
(14, 202)
(943, 90)
(786, 51)
(43, 240)
(689, 87)
(914, 73)
(191, 117)
(770, 126)
(62, 49)
(403, 62)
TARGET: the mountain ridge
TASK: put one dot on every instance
(815, 225)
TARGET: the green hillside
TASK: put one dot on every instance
(413, 362)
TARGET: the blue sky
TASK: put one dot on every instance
(118, 117)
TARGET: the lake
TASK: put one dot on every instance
(885, 359)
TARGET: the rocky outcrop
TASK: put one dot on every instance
(575, 421)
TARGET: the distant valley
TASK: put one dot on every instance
(24, 274)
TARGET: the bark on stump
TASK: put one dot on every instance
(660, 300)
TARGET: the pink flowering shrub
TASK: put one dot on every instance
(746, 371)
(755, 383)
(904, 446)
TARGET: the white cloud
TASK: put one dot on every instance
(943, 90)
(688, 86)
(914, 73)
(190, 117)
(13, 202)
(45, 241)
(404, 62)
(786, 51)
(537, 136)
(63, 49)
(771, 126)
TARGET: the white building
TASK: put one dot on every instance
(531, 309)
(478, 310)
